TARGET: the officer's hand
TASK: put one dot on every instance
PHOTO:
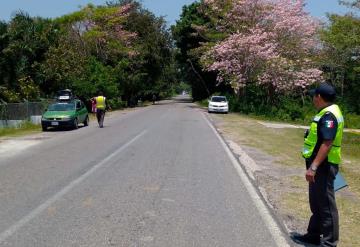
(310, 176)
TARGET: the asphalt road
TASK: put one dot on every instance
(158, 176)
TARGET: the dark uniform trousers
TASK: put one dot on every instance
(325, 217)
(100, 115)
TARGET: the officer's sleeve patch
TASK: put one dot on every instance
(329, 124)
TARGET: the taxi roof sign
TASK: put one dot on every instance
(64, 95)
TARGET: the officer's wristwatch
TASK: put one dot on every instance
(313, 168)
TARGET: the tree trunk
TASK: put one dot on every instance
(199, 76)
(302, 97)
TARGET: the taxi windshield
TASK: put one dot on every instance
(62, 107)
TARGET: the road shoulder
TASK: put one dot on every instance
(279, 176)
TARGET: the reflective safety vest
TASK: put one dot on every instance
(100, 102)
(334, 155)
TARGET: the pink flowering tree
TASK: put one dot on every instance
(269, 42)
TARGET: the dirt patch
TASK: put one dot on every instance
(282, 126)
(10, 148)
(293, 126)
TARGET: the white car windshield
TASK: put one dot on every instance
(218, 99)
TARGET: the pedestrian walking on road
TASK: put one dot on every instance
(322, 153)
(100, 109)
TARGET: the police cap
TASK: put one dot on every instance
(324, 89)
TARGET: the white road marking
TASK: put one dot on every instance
(271, 224)
(37, 211)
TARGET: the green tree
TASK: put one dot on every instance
(64, 64)
(3, 66)
(351, 3)
(23, 48)
(154, 49)
(150, 68)
(193, 33)
(119, 48)
(341, 57)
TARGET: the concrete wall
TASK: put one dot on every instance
(35, 119)
(17, 123)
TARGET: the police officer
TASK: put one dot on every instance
(322, 152)
(100, 109)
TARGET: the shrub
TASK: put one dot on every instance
(116, 103)
(352, 121)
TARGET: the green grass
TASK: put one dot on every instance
(351, 160)
(24, 129)
(284, 144)
(351, 147)
(203, 103)
(352, 121)
(349, 222)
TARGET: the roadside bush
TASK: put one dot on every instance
(293, 110)
(204, 102)
(352, 121)
(284, 108)
(116, 103)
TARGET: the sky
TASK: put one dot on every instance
(171, 9)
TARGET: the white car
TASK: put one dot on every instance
(218, 104)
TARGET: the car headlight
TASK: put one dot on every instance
(66, 118)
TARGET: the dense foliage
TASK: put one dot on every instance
(120, 48)
(263, 54)
(269, 52)
(341, 58)
(189, 40)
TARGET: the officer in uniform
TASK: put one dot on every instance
(100, 109)
(322, 153)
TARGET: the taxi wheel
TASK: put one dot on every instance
(44, 128)
(86, 122)
(76, 124)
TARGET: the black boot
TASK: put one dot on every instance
(306, 238)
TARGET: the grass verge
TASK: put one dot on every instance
(24, 129)
(284, 145)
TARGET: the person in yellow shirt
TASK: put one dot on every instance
(100, 108)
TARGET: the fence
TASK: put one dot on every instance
(13, 114)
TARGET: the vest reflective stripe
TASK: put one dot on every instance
(100, 102)
(334, 155)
